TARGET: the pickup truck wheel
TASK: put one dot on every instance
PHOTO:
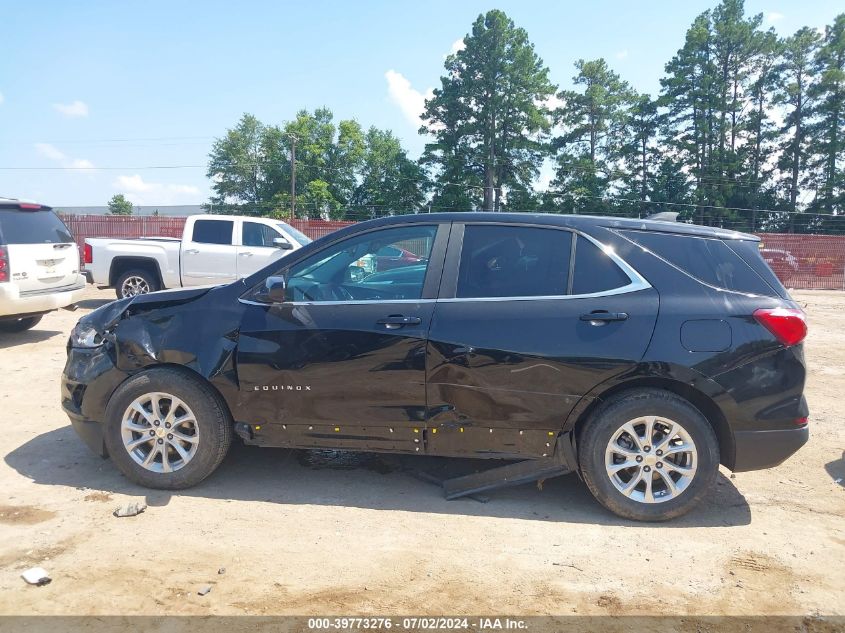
(166, 429)
(19, 325)
(648, 455)
(135, 282)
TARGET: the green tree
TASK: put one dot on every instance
(794, 94)
(390, 181)
(247, 167)
(489, 117)
(119, 205)
(593, 121)
(640, 151)
(828, 132)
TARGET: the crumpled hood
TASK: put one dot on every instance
(107, 316)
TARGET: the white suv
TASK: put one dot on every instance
(39, 265)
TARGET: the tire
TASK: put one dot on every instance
(692, 471)
(207, 433)
(20, 325)
(135, 282)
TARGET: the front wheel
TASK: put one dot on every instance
(20, 325)
(167, 429)
(648, 455)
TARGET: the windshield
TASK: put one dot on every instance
(32, 227)
(299, 236)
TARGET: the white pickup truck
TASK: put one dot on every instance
(214, 249)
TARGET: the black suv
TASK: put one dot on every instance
(640, 353)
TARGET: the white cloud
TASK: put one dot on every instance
(773, 16)
(72, 110)
(141, 192)
(2, 98)
(48, 151)
(622, 54)
(410, 100)
(82, 164)
(51, 152)
(457, 45)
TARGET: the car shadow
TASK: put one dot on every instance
(91, 304)
(363, 480)
(10, 339)
(836, 470)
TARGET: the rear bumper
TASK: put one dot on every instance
(756, 450)
(12, 302)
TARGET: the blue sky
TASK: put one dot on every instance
(128, 85)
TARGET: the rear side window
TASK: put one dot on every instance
(213, 231)
(594, 270)
(32, 227)
(509, 261)
(707, 259)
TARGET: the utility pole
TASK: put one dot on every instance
(293, 177)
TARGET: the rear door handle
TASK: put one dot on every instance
(191, 251)
(246, 254)
(600, 317)
(396, 321)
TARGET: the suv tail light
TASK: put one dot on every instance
(789, 325)
(4, 264)
(87, 254)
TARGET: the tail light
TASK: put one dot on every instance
(4, 264)
(87, 254)
(789, 325)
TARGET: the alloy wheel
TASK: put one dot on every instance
(651, 459)
(133, 286)
(160, 432)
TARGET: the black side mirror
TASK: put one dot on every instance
(280, 242)
(275, 289)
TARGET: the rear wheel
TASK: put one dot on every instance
(166, 429)
(648, 455)
(19, 325)
(135, 282)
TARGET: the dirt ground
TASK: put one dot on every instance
(368, 538)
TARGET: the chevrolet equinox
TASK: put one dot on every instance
(641, 354)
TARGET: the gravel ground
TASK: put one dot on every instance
(362, 536)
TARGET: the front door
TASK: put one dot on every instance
(257, 248)
(523, 329)
(341, 362)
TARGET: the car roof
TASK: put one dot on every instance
(580, 222)
(14, 203)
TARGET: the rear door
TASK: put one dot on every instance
(41, 251)
(257, 249)
(208, 254)
(529, 320)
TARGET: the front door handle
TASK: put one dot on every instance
(395, 321)
(601, 317)
(191, 251)
(246, 254)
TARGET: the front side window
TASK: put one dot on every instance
(513, 261)
(213, 231)
(255, 234)
(354, 269)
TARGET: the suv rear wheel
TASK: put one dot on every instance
(135, 282)
(648, 455)
(19, 325)
(166, 429)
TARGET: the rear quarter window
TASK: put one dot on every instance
(709, 260)
(32, 227)
(595, 271)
